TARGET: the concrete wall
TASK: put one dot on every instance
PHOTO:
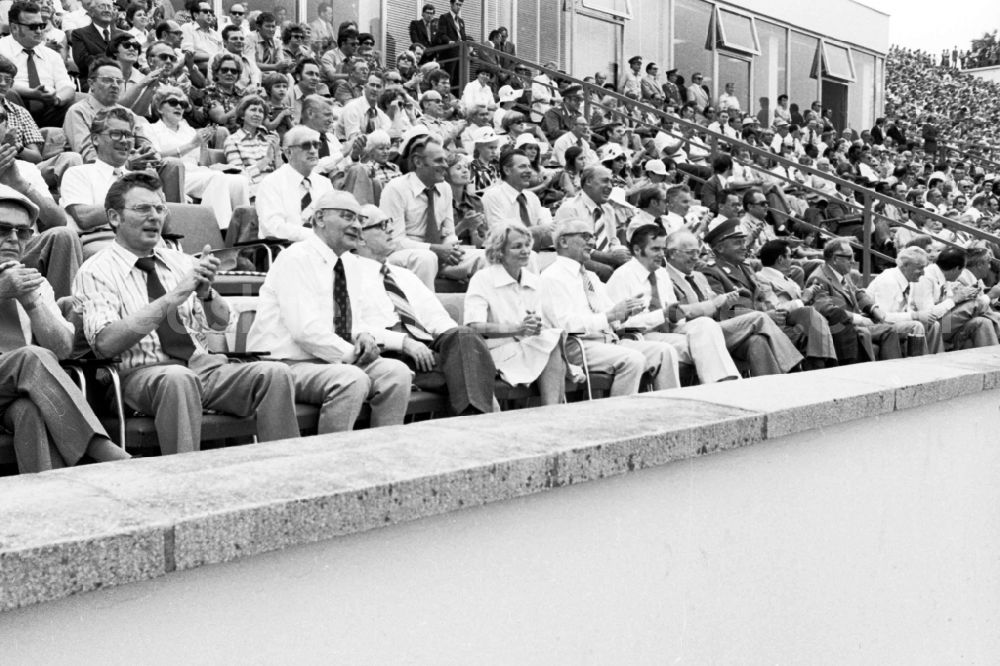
(986, 73)
(851, 517)
(844, 20)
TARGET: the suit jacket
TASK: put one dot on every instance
(711, 194)
(421, 34)
(88, 44)
(693, 305)
(450, 29)
(835, 294)
(672, 92)
(556, 122)
(725, 277)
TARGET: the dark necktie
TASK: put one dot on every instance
(906, 298)
(694, 286)
(11, 333)
(266, 57)
(370, 120)
(654, 293)
(522, 204)
(432, 233)
(33, 81)
(175, 341)
(307, 196)
(600, 230)
(341, 302)
(324, 145)
(403, 308)
(107, 36)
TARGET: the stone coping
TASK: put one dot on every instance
(75, 530)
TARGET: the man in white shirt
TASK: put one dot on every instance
(52, 424)
(199, 36)
(681, 211)
(575, 300)
(420, 206)
(318, 312)
(362, 115)
(510, 199)
(424, 334)
(959, 308)
(592, 204)
(317, 114)
(728, 100)
(50, 91)
(697, 93)
(892, 292)
(479, 90)
(579, 135)
(652, 206)
(286, 199)
(698, 341)
(84, 187)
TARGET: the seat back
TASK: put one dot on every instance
(455, 305)
(196, 224)
(243, 324)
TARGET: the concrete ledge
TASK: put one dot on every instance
(76, 530)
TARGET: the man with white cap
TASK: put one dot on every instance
(323, 313)
(286, 198)
(507, 96)
(578, 135)
(420, 206)
(52, 424)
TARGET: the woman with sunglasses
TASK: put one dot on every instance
(138, 88)
(172, 136)
(219, 100)
(252, 148)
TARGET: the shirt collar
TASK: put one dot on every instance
(128, 258)
(325, 253)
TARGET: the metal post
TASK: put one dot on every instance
(463, 65)
(866, 241)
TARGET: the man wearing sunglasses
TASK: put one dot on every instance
(323, 313)
(91, 42)
(286, 199)
(44, 85)
(199, 35)
(52, 424)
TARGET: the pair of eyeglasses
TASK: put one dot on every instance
(148, 209)
(37, 27)
(228, 70)
(110, 80)
(23, 233)
(308, 145)
(345, 215)
(382, 225)
(182, 103)
(206, 11)
(232, 13)
(296, 35)
(118, 135)
(844, 256)
(166, 57)
(130, 45)
(585, 235)
(689, 253)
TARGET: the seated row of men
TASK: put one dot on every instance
(346, 326)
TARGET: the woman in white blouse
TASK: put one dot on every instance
(503, 305)
(173, 137)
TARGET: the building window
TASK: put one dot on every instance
(692, 19)
(617, 8)
(837, 62)
(770, 73)
(736, 32)
(803, 88)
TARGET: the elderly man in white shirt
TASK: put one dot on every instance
(510, 199)
(592, 204)
(317, 314)
(286, 199)
(420, 206)
(578, 136)
(699, 341)
(574, 300)
(956, 306)
(892, 291)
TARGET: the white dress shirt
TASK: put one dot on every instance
(582, 207)
(565, 303)
(631, 280)
(295, 312)
(110, 288)
(279, 203)
(200, 41)
(567, 141)
(51, 70)
(426, 306)
(500, 203)
(86, 185)
(476, 94)
(404, 201)
(354, 118)
(886, 289)
(932, 292)
(673, 222)
(786, 293)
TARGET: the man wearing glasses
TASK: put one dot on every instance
(152, 307)
(91, 42)
(287, 198)
(199, 36)
(44, 84)
(52, 424)
(322, 311)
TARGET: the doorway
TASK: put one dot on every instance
(835, 99)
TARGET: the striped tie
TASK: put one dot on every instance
(600, 230)
(306, 198)
(588, 289)
(403, 309)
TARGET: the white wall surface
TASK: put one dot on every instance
(877, 542)
(844, 20)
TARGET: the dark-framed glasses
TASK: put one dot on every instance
(22, 233)
(148, 209)
(381, 225)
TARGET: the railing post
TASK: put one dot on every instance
(463, 64)
(866, 241)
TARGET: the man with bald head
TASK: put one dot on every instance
(592, 204)
(286, 198)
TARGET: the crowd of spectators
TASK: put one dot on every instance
(591, 232)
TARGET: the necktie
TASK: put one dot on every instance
(522, 204)
(694, 286)
(654, 293)
(33, 81)
(324, 145)
(266, 56)
(403, 309)
(306, 196)
(432, 233)
(370, 120)
(906, 298)
(107, 35)
(175, 341)
(341, 302)
(600, 230)
(11, 333)
(588, 289)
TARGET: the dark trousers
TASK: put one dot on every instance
(464, 368)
